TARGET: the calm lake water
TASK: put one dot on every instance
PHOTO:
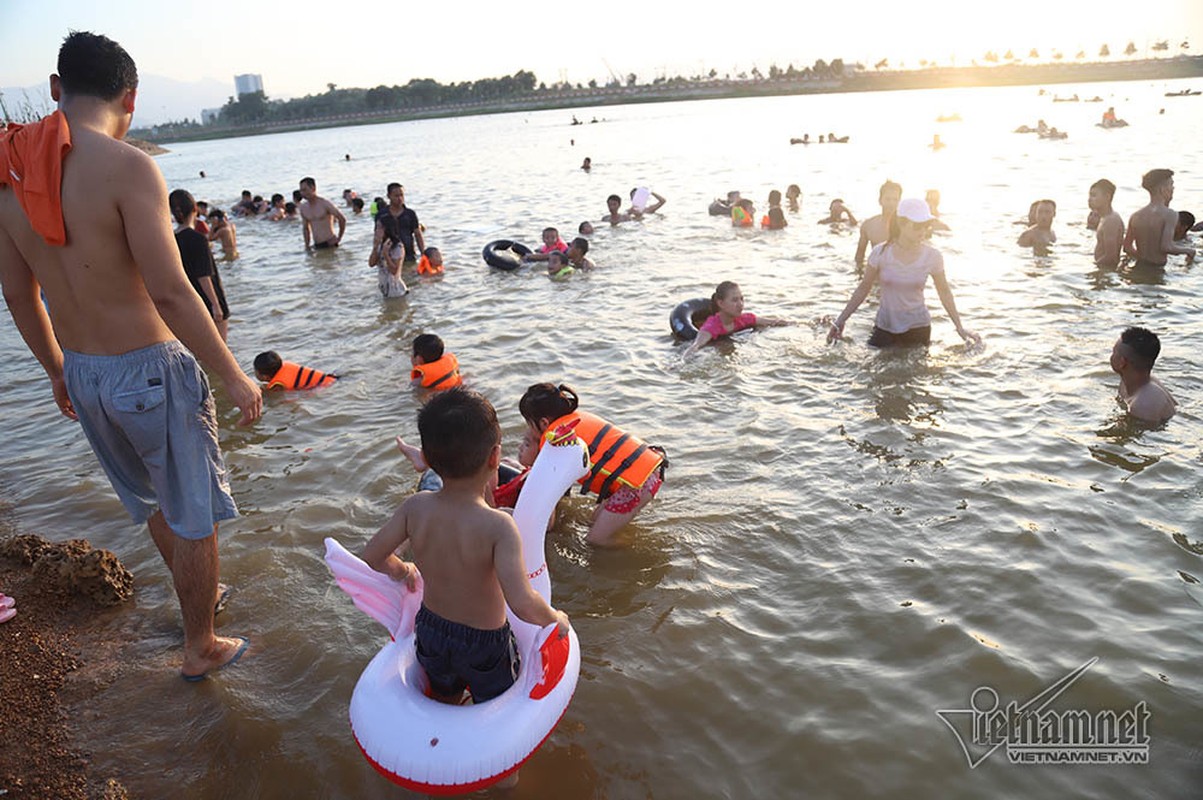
(848, 540)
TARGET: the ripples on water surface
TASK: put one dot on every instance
(848, 540)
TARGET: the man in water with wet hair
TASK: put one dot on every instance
(119, 300)
(316, 213)
(876, 229)
(1132, 358)
(1150, 236)
(1109, 231)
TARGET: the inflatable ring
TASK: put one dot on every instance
(431, 747)
(505, 254)
(688, 316)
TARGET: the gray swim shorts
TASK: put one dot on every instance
(150, 419)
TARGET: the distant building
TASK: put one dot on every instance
(247, 84)
(210, 115)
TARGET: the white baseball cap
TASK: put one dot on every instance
(915, 210)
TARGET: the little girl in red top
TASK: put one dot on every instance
(729, 316)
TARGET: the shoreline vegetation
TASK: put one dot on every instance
(253, 114)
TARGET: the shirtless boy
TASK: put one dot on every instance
(877, 229)
(316, 215)
(1132, 357)
(1109, 232)
(469, 555)
(1150, 236)
(614, 216)
(1041, 234)
(118, 302)
(221, 229)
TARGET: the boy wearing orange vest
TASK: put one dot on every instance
(280, 374)
(432, 367)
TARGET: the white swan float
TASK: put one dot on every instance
(432, 747)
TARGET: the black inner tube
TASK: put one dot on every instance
(505, 254)
(688, 316)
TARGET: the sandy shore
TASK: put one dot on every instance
(44, 673)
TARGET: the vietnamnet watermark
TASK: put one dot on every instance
(1034, 733)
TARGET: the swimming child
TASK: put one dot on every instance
(223, 231)
(774, 220)
(433, 367)
(728, 316)
(626, 473)
(469, 556)
(280, 374)
(743, 213)
(558, 267)
(838, 212)
(793, 196)
(431, 262)
(551, 243)
(575, 255)
(585, 228)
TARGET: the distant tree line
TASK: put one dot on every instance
(255, 107)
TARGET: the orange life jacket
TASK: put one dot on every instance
(441, 374)
(740, 218)
(294, 376)
(426, 268)
(617, 456)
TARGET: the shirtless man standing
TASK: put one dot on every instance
(1151, 229)
(876, 229)
(1109, 232)
(101, 249)
(316, 213)
(1132, 358)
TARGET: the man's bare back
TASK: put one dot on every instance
(98, 301)
(1149, 231)
(1109, 239)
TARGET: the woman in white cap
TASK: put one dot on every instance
(901, 264)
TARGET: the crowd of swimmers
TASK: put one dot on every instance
(125, 331)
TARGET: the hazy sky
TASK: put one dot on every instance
(298, 51)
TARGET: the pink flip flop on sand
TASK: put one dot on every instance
(6, 601)
(7, 614)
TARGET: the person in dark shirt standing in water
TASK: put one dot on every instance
(399, 225)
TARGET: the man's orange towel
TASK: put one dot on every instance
(31, 161)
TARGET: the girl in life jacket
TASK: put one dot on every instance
(626, 473)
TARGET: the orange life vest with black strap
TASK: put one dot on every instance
(426, 268)
(441, 374)
(294, 376)
(618, 457)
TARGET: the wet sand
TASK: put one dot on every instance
(52, 660)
